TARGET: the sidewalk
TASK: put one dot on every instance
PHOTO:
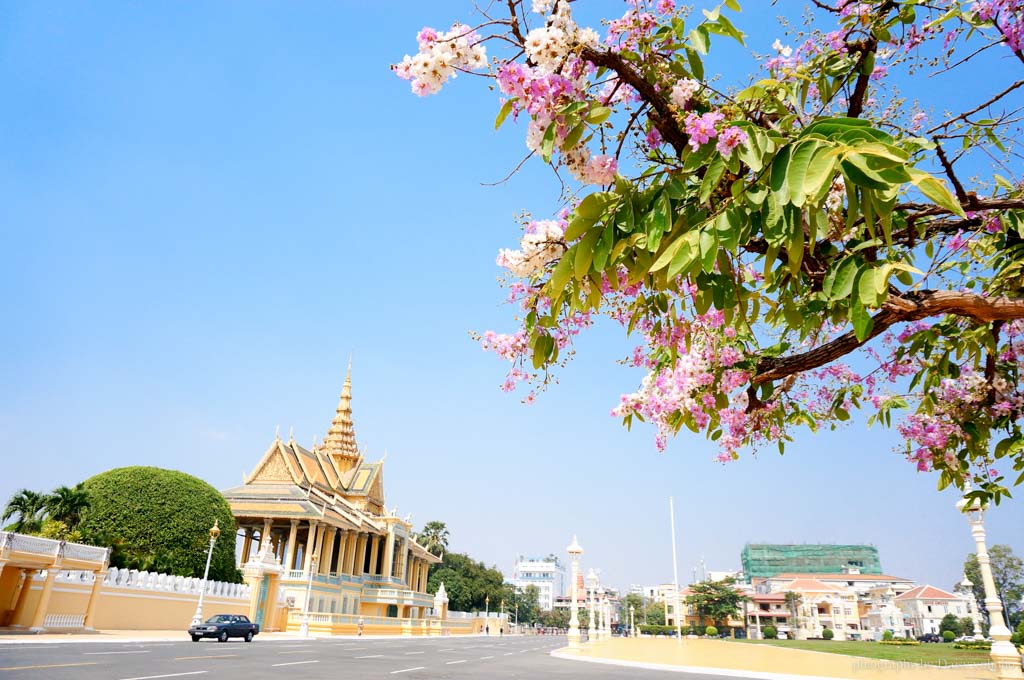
(146, 636)
(720, 657)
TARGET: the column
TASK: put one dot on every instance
(26, 583)
(246, 545)
(426, 577)
(374, 548)
(319, 550)
(94, 597)
(403, 566)
(328, 554)
(361, 555)
(44, 599)
(350, 553)
(389, 554)
(265, 534)
(290, 560)
(310, 544)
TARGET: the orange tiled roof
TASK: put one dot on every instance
(927, 592)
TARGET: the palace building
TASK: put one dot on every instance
(320, 544)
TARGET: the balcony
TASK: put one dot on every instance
(397, 596)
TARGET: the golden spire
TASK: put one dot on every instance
(340, 442)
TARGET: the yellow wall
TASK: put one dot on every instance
(126, 608)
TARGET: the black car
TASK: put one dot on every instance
(224, 626)
(929, 637)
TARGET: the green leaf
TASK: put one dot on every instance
(733, 5)
(796, 173)
(699, 39)
(856, 169)
(604, 247)
(547, 144)
(562, 272)
(585, 253)
(820, 171)
(686, 255)
(624, 219)
(711, 178)
(862, 321)
(542, 350)
(842, 282)
(506, 109)
(708, 249)
(592, 207)
(598, 115)
(696, 65)
(574, 136)
(936, 191)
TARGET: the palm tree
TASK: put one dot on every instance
(67, 504)
(434, 537)
(793, 600)
(27, 507)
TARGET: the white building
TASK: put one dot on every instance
(924, 607)
(545, 575)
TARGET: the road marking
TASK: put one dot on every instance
(298, 651)
(486, 657)
(56, 665)
(369, 656)
(350, 647)
(449, 649)
(169, 675)
(406, 670)
(294, 646)
(145, 651)
(509, 653)
(408, 653)
(449, 663)
(293, 663)
(211, 656)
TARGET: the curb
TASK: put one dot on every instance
(725, 672)
(27, 639)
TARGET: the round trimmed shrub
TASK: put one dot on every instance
(887, 636)
(948, 636)
(159, 520)
(827, 634)
(770, 633)
(711, 631)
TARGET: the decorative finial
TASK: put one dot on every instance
(385, 456)
(291, 434)
(277, 432)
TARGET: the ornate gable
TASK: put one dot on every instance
(274, 467)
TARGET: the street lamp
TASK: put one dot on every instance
(606, 631)
(574, 551)
(197, 618)
(304, 628)
(591, 583)
(487, 613)
(632, 622)
(1004, 654)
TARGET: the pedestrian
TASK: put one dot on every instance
(360, 625)
(487, 630)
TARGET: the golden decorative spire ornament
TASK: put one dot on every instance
(340, 442)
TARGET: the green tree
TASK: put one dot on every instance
(717, 600)
(26, 507)
(966, 625)
(67, 504)
(766, 229)
(635, 601)
(529, 605)
(468, 583)
(656, 614)
(1008, 574)
(159, 520)
(951, 623)
(434, 537)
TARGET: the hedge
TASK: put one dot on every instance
(973, 644)
(711, 631)
(652, 629)
(159, 520)
(899, 641)
(770, 633)
(948, 636)
(827, 634)
(887, 636)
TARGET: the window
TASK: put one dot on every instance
(930, 611)
(848, 611)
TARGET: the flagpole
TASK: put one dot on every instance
(675, 571)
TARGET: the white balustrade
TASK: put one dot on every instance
(144, 580)
(64, 621)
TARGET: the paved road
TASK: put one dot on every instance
(406, 658)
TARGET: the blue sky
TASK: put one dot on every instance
(208, 207)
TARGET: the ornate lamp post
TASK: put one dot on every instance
(197, 618)
(632, 624)
(574, 551)
(591, 583)
(487, 614)
(1004, 654)
(304, 628)
(606, 613)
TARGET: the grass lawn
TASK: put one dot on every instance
(936, 654)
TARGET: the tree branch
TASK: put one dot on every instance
(897, 309)
(860, 90)
(662, 117)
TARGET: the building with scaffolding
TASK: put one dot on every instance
(764, 560)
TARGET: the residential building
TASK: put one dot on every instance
(545, 574)
(850, 578)
(818, 606)
(762, 560)
(924, 607)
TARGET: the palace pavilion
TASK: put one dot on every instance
(320, 545)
